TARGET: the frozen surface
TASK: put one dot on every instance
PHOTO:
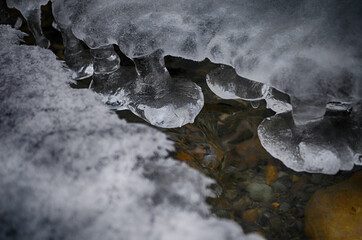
(72, 170)
(309, 50)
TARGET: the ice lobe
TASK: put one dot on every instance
(72, 170)
(147, 90)
(325, 146)
(225, 83)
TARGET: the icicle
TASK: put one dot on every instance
(305, 110)
(77, 57)
(160, 100)
(34, 23)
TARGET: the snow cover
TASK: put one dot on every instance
(70, 169)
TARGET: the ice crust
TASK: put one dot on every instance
(72, 170)
(309, 50)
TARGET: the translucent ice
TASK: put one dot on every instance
(72, 170)
(225, 83)
(148, 91)
(77, 57)
(30, 9)
(325, 146)
(277, 101)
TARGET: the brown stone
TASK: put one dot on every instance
(223, 203)
(335, 213)
(251, 215)
(270, 174)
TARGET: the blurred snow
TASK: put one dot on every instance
(70, 169)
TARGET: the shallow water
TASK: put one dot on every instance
(252, 188)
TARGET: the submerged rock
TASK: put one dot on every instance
(336, 212)
(260, 192)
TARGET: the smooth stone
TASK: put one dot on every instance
(275, 223)
(335, 212)
(241, 204)
(231, 194)
(250, 216)
(279, 187)
(316, 178)
(284, 207)
(260, 192)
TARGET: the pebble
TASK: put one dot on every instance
(284, 207)
(335, 212)
(242, 203)
(316, 178)
(278, 186)
(251, 215)
(260, 192)
(231, 194)
(275, 223)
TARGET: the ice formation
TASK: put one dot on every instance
(274, 43)
(31, 12)
(269, 42)
(325, 146)
(225, 83)
(299, 56)
(72, 170)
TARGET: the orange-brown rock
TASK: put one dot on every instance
(335, 213)
(270, 174)
(184, 156)
(251, 215)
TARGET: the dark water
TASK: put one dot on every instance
(252, 188)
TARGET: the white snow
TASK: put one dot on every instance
(70, 169)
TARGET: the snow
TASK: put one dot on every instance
(72, 170)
